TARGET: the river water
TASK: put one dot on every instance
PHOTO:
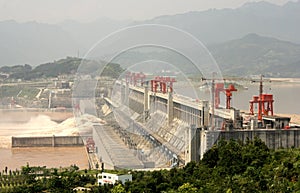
(286, 95)
(41, 156)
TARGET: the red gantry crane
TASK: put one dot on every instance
(165, 84)
(264, 101)
(134, 78)
(217, 88)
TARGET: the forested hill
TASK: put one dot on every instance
(67, 66)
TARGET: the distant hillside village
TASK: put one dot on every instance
(63, 68)
(45, 86)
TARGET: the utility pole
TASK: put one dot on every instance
(213, 101)
(261, 90)
(212, 118)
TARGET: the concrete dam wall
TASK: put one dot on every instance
(52, 141)
(274, 139)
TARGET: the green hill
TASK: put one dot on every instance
(67, 66)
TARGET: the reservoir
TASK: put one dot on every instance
(286, 95)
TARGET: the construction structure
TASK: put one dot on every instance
(264, 102)
(148, 125)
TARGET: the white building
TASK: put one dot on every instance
(108, 178)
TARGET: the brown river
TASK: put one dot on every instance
(40, 125)
(43, 156)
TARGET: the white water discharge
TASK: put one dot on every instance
(42, 125)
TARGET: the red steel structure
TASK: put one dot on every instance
(265, 105)
(165, 84)
(264, 101)
(228, 93)
(135, 78)
(219, 87)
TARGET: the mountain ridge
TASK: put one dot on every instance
(35, 43)
(255, 54)
(251, 54)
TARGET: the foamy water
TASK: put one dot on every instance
(42, 125)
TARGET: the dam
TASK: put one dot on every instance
(163, 129)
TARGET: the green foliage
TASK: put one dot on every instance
(112, 70)
(229, 166)
(187, 188)
(60, 67)
(18, 69)
(118, 189)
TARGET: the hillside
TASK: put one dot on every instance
(67, 66)
(254, 54)
(33, 43)
(250, 55)
(221, 25)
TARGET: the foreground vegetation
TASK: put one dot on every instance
(228, 167)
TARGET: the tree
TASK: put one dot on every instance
(118, 189)
(187, 188)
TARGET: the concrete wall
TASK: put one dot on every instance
(183, 108)
(54, 141)
(193, 143)
(274, 139)
(101, 152)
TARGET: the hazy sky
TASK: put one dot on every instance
(52, 11)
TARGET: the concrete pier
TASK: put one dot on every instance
(170, 110)
(146, 102)
(52, 141)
